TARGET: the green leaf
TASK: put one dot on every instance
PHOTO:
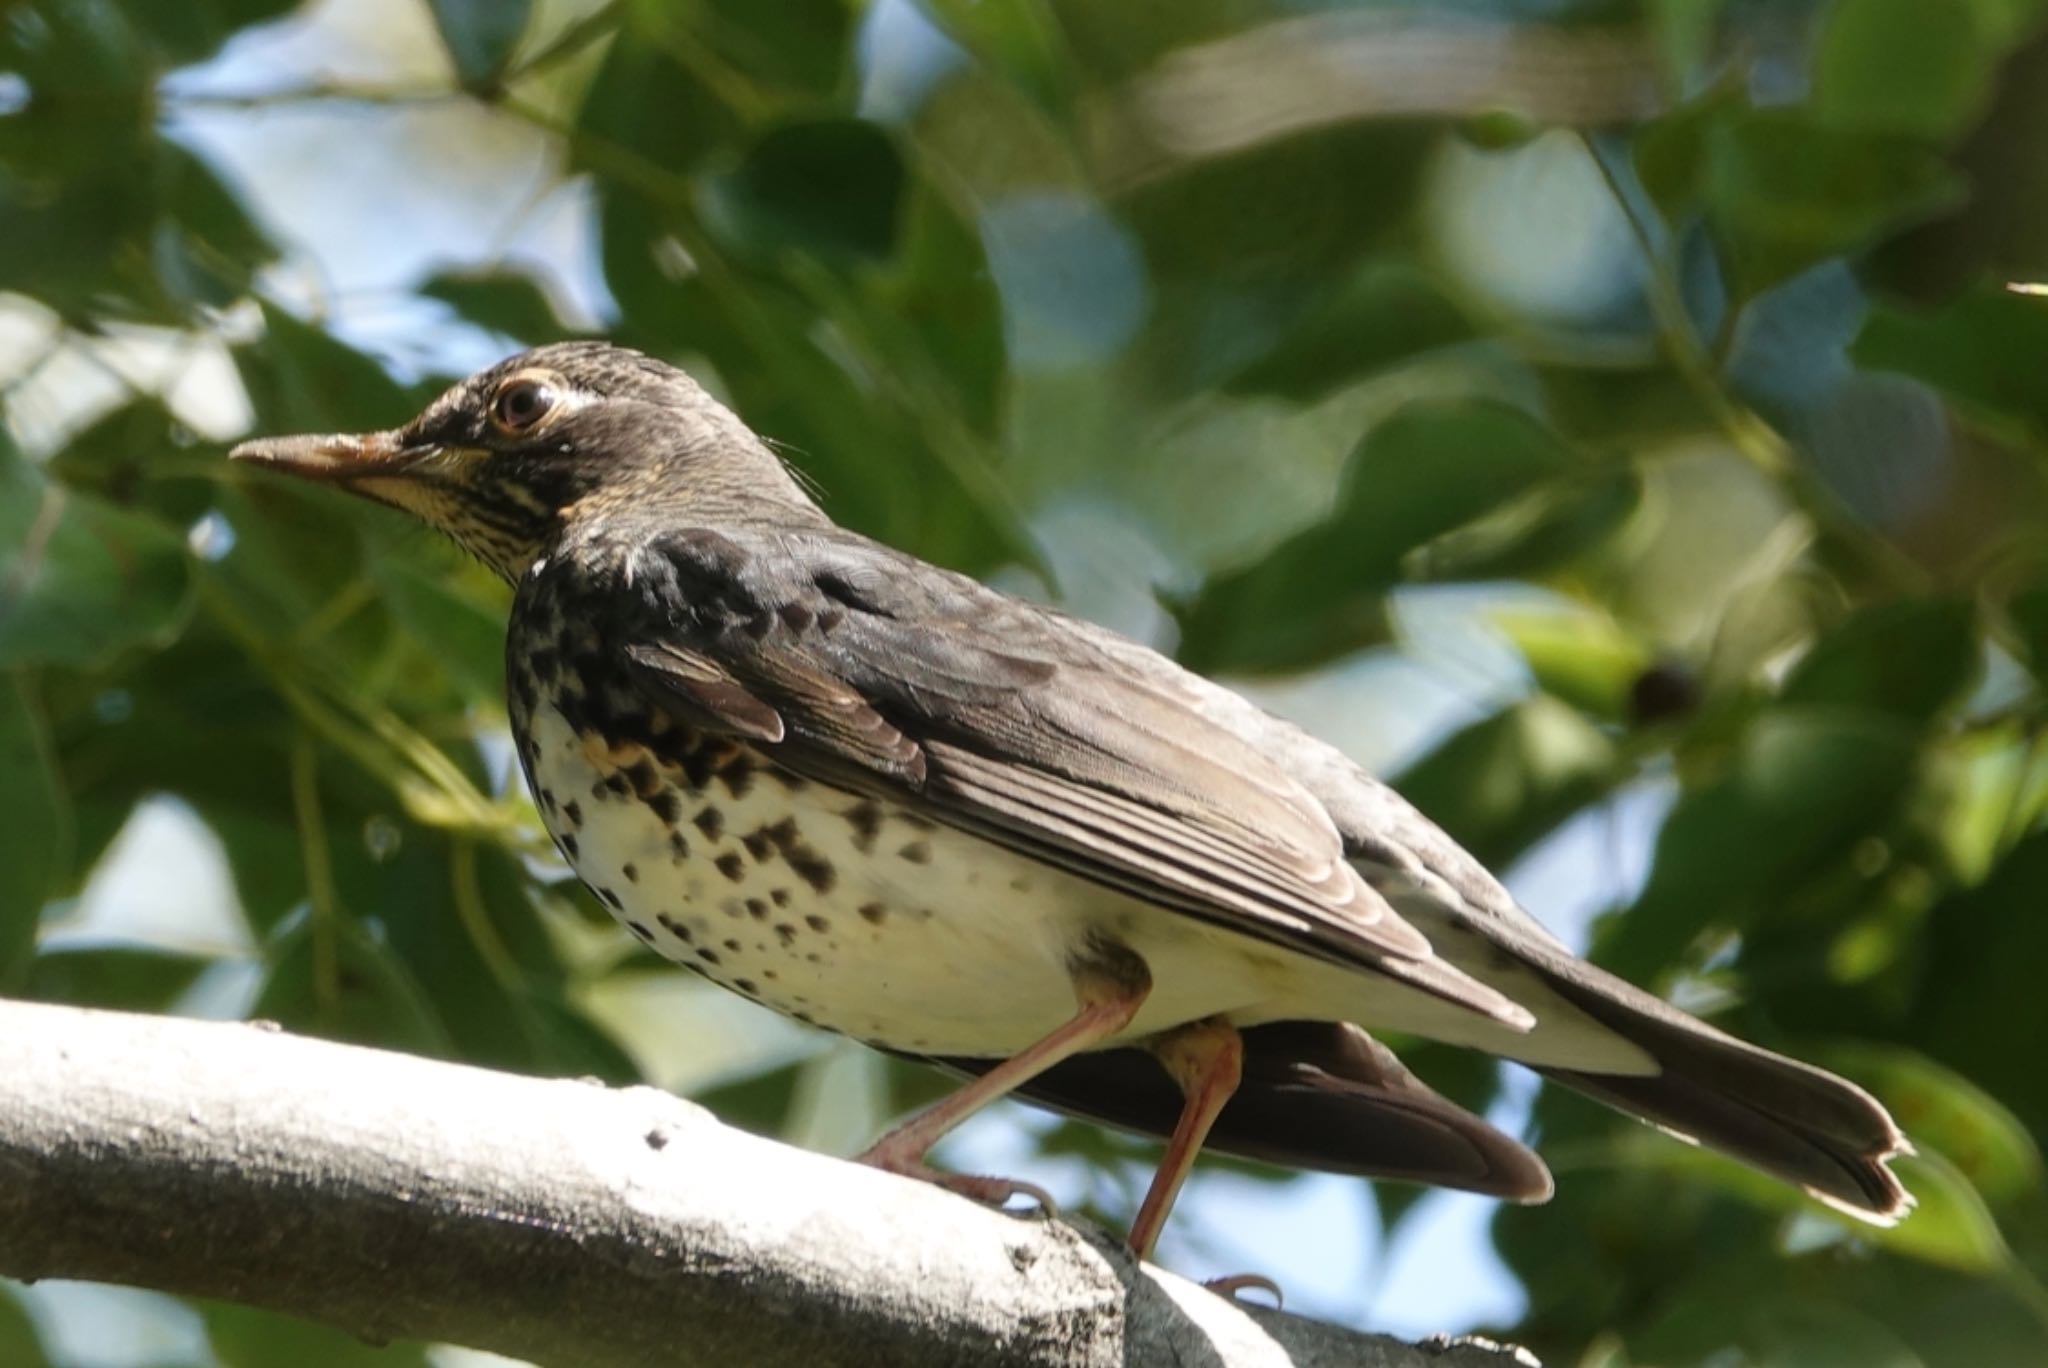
(1386, 312)
(505, 300)
(1503, 783)
(80, 578)
(831, 187)
(1430, 468)
(244, 1337)
(1950, 1226)
(463, 633)
(34, 808)
(121, 978)
(1912, 659)
(1585, 659)
(347, 983)
(19, 1342)
(1944, 1112)
(481, 36)
(1921, 67)
(1784, 194)
(1541, 530)
(1979, 348)
(1805, 785)
(1020, 39)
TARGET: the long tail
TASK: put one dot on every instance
(1794, 1121)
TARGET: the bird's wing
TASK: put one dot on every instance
(857, 666)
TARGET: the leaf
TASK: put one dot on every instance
(1385, 312)
(34, 806)
(464, 636)
(1503, 783)
(1978, 348)
(831, 187)
(1980, 999)
(481, 36)
(369, 999)
(1541, 530)
(1921, 67)
(1912, 659)
(1430, 468)
(1805, 785)
(504, 299)
(1585, 659)
(1784, 194)
(120, 978)
(1942, 1111)
(1021, 40)
(244, 1337)
(1950, 1226)
(80, 578)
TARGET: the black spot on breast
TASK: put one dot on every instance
(866, 820)
(917, 852)
(731, 865)
(732, 945)
(710, 821)
(545, 664)
(709, 956)
(873, 913)
(679, 846)
(612, 898)
(745, 986)
(757, 843)
(779, 896)
(757, 909)
(813, 868)
(631, 871)
(675, 927)
(666, 805)
(616, 784)
(785, 933)
(817, 923)
(573, 810)
(738, 776)
(547, 798)
(568, 844)
(644, 777)
(639, 930)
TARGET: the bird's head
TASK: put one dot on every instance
(507, 459)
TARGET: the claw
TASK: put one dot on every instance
(995, 1192)
(1239, 1282)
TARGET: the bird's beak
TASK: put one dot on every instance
(329, 458)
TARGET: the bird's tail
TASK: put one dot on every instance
(1791, 1120)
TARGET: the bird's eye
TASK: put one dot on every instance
(519, 404)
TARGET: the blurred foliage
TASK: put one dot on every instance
(1673, 333)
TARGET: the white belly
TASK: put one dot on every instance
(869, 920)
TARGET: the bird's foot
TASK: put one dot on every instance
(978, 1187)
(1241, 1282)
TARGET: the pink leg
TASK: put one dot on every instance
(1110, 996)
(1207, 1059)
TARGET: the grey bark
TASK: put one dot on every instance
(563, 1222)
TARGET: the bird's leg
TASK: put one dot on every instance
(1111, 984)
(1207, 1059)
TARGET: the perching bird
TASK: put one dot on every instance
(887, 800)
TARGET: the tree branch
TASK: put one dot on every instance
(559, 1221)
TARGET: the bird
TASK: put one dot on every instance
(885, 799)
